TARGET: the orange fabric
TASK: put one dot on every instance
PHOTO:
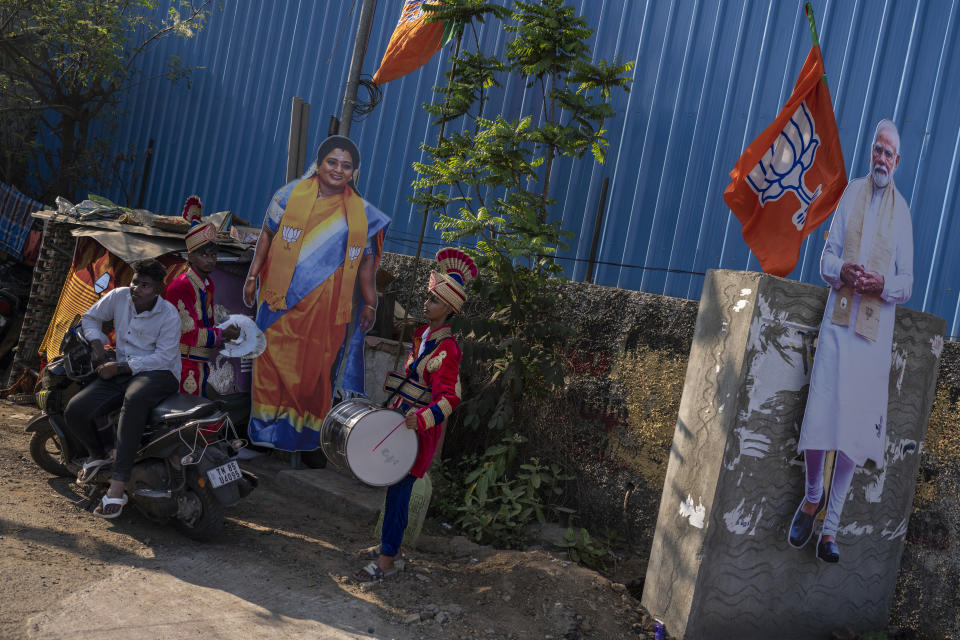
(412, 44)
(356, 240)
(774, 230)
(303, 218)
(94, 272)
(295, 372)
(286, 244)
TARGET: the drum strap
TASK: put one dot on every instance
(414, 392)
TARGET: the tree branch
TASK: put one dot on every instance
(466, 199)
(14, 13)
(25, 68)
(59, 107)
(195, 13)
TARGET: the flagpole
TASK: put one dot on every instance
(808, 10)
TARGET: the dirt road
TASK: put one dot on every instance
(278, 570)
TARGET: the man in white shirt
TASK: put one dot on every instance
(868, 263)
(146, 370)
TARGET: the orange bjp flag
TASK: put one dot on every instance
(790, 179)
(412, 44)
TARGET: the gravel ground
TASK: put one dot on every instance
(279, 569)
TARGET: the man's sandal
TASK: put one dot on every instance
(107, 501)
(373, 573)
(90, 469)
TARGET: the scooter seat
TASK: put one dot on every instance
(180, 408)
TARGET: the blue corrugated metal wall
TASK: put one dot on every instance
(709, 76)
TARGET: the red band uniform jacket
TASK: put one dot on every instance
(437, 368)
(192, 296)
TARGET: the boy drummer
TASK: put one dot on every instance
(427, 393)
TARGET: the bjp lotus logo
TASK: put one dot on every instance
(291, 235)
(355, 252)
(783, 166)
(412, 10)
(101, 283)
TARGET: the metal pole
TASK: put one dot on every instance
(598, 223)
(346, 117)
(353, 78)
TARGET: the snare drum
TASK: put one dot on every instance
(361, 436)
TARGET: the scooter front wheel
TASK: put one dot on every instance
(46, 450)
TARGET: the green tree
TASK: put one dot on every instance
(489, 184)
(64, 67)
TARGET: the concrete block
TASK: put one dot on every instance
(334, 492)
(380, 357)
(720, 566)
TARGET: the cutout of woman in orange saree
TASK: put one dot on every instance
(315, 264)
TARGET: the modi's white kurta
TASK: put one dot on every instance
(847, 404)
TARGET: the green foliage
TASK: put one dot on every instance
(464, 11)
(584, 549)
(494, 508)
(488, 186)
(64, 67)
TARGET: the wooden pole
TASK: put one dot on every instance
(146, 172)
(304, 138)
(294, 154)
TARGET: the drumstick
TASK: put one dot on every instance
(387, 436)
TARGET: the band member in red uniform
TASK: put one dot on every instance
(427, 393)
(192, 294)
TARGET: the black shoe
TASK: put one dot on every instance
(801, 528)
(828, 551)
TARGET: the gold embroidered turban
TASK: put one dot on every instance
(456, 271)
(200, 233)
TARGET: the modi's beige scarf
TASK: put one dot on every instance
(868, 315)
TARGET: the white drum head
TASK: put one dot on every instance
(393, 458)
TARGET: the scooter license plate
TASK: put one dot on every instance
(225, 474)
